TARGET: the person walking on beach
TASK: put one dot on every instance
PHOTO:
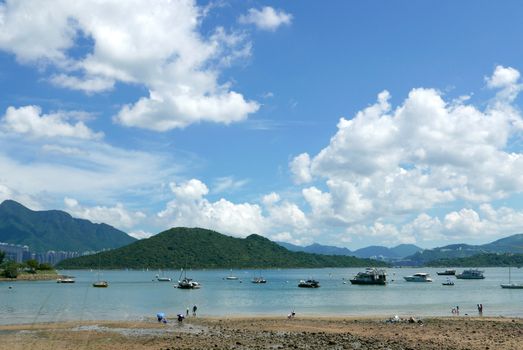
(187, 312)
(194, 308)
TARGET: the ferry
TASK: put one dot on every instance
(370, 276)
(471, 274)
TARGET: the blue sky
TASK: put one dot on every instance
(356, 123)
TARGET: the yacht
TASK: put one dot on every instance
(370, 276)
(471, 274)
(448, 282)
(309, 284)
(188, 283)
(101, 284)
(161, 278)
(447, 272)
(418, 277)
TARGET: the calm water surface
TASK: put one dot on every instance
(136, 294)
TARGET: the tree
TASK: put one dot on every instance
(45, 266)
(11, 270)
(32, 264)
(2, 256)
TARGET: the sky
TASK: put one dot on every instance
(348, 123)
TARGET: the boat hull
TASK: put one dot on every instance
(368, 283)
(512, 286)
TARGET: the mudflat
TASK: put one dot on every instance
(270, 333)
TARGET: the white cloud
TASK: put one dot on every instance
(116, 216)
(227, 184)
(267, 18)
(9, 193)
(177, 64)
(385, 163)
(30, 121)
(300, 169)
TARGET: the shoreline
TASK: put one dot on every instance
(243, 332)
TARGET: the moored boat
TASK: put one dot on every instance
(471, 274)
(418, 277)
(511, 285)
(447, 272)
(309, 284)
(188, 283)
(371, 276)
(65, 279)
(448, 282)
(101, 284)
(259, 280)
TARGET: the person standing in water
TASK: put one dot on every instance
(194, 308)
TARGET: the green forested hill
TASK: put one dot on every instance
(55, 230)
(481, 260)
(200, 248)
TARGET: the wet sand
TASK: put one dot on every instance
(269, 333)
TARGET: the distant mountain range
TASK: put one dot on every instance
(55, 230)
(375, 252)
(512, 244)
(200, 248)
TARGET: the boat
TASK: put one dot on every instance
(370, 276)
(448, 282)
(511, 285)
(309, 284)
(161, 278)
(418, 277)
(101, 284)
(447, 272)
(471, 274)
(65, 279)
(259, 280)
(187, 283)
(231, 277)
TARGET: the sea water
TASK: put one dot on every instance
(133, 295)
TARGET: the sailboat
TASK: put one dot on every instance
(511, 285)
(161, 278)
(258, 279)
(231, 277)
(187, 283)
(99, 283)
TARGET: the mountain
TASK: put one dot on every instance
(512, 244)
(316, 248)
(201, 248)
(380, 252)
(481, 260)
(55, 230)
(404, 250)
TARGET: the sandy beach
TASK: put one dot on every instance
(269, 333)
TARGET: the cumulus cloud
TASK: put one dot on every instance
(190, 207)
(117, 216)
(267, 18)
(178, 65)
(30, 121)
(426, 152)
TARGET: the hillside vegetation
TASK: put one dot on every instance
(201, 248)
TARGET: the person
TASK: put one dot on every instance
(291, 315)
(180, 317)
(480, 309)
(457, 310)
(194, 308)
(160, 316)
(187, 312)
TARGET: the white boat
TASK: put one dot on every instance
(161, 278)
(65, 279)
(231, 277)
(448, 282)
(418, 277)
(187, 283)
(511, 285)
(470, 274)
(259, 280)
(101, 284)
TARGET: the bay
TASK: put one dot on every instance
(135, 295)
